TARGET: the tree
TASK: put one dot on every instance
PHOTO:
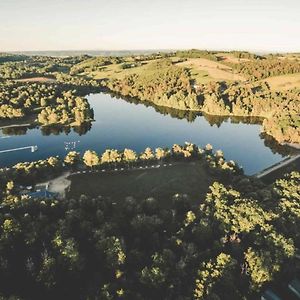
(129, 156)
(72, 158)
(111, 156)
(147, 155)
(210, 273)
(161, 153)
(90, 158)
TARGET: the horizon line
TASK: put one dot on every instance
(257, 51)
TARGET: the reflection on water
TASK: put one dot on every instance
(49, 130)
(120, 124)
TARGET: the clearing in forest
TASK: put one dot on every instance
(284, 82)
(205, 70)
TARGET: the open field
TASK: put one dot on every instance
(204, 70)
(284, 82)
(291, 56)
(162, 183)
(116, 71)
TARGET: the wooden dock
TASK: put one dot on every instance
(32, 148)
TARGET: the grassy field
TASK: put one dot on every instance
(205, 70)
(284, 82)
(116, 71)
(162, 183)
(201, 70)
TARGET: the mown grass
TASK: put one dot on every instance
(191, 178)
(204, 70)
(116, 71)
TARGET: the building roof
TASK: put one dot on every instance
(43, 194)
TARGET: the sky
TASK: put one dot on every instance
(255, 25)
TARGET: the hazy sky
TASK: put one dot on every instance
(261, 25)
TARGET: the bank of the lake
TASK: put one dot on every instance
(120, 124)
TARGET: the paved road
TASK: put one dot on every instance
(277, 166)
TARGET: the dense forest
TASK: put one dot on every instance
(243, 237)
(162, 83)
(53, 104)
(260, 69)
(166, 84)
(280, 110)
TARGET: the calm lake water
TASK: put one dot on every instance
(120, 124)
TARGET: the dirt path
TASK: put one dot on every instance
(36, 79)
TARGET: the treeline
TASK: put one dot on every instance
(281, 110)
(213, 55)
(94, 63)
(112, 158)
(33, 66)
(18, 70)
(53, 104)
(81, 84)
(285, 128)
(30, 172)
(125, 62)
(7, 57)
(195, 53)
(260, 69)
(230, 247)
(48, 130)
(162, 83)
(245, 55)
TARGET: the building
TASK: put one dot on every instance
(43, 194)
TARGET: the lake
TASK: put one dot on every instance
(120, 124)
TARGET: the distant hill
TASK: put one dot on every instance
(90, 52)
